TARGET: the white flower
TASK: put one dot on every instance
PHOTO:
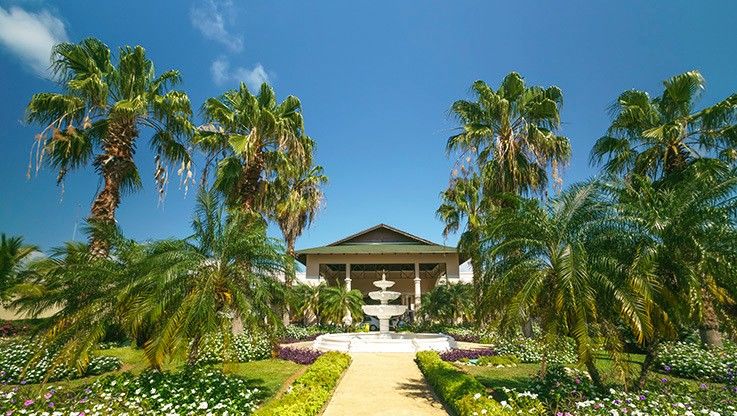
(202, 406)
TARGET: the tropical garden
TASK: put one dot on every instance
(611, 296)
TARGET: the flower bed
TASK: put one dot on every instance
(690, 360)
(312, 390)
(243, 348)
(299, 355)
(16, 354)
(458, 354)
(193, 391)
(465, 396)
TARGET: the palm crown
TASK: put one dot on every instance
(253, 132)
(511, 134)
(662, 135)
(98, 115)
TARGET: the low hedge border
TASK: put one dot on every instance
(461, 393)
(311, 391)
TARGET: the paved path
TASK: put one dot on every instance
(383, 384)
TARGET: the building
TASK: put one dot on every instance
(416, 265)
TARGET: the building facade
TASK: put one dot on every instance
(415, 264)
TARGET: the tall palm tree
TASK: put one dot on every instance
(660, 136)
(510, 135)
(337, 303)
(98, 116)
(548, 264)
(508, 138)
(14, 258)
(296, 196)
(463, 203)
(247, 135)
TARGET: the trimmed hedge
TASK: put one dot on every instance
(309, 393)
(461, 393)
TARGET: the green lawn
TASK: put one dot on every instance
(519, 377)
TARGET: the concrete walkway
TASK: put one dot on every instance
(383, 384)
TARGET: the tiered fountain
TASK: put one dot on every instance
(383, 341)
(384, 311)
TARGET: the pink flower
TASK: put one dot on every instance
(27, 403)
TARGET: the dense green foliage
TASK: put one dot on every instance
(463, 395)
(312, 390)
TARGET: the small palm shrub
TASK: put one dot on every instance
(311, 391)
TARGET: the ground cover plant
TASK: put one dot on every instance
(21, 363)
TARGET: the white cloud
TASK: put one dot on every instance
(210, 18)
(222, 74)
(31, 36)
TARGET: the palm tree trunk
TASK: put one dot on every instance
(709, 328)
(115, 164)
(194, 350)
(286, 318)
(647, 365)
(250, 188)
(594, 372)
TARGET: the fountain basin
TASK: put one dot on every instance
(383, 342)
(384, 296)
(384, 311)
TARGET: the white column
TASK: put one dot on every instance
(347, 319)
(418, 289)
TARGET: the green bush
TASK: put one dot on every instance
(495, 360)
(310, 392)
(462, 394)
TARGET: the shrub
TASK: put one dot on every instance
(310, 392)
(560, 386)
(463, 395)
(192, 391)
(299, 355)
(17, 364)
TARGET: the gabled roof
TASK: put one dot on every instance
(392, 230)
(379, 239)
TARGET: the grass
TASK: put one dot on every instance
(520, 377)
(272, 374)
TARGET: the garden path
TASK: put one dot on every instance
(383, 384)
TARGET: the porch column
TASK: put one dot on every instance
(418, 289)
(347, 319)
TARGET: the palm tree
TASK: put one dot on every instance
(14, 258)
(463, 201)
(307, 300)
(682, 232)
(448, 304)
(508, 138)
(169, 293)
(660, 136)
(338, 303)
(104, 105)
(548, 264)
(296, 197)
(197, 286)
(247, 136)
(510, 135)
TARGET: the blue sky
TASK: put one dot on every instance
(376, 80)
